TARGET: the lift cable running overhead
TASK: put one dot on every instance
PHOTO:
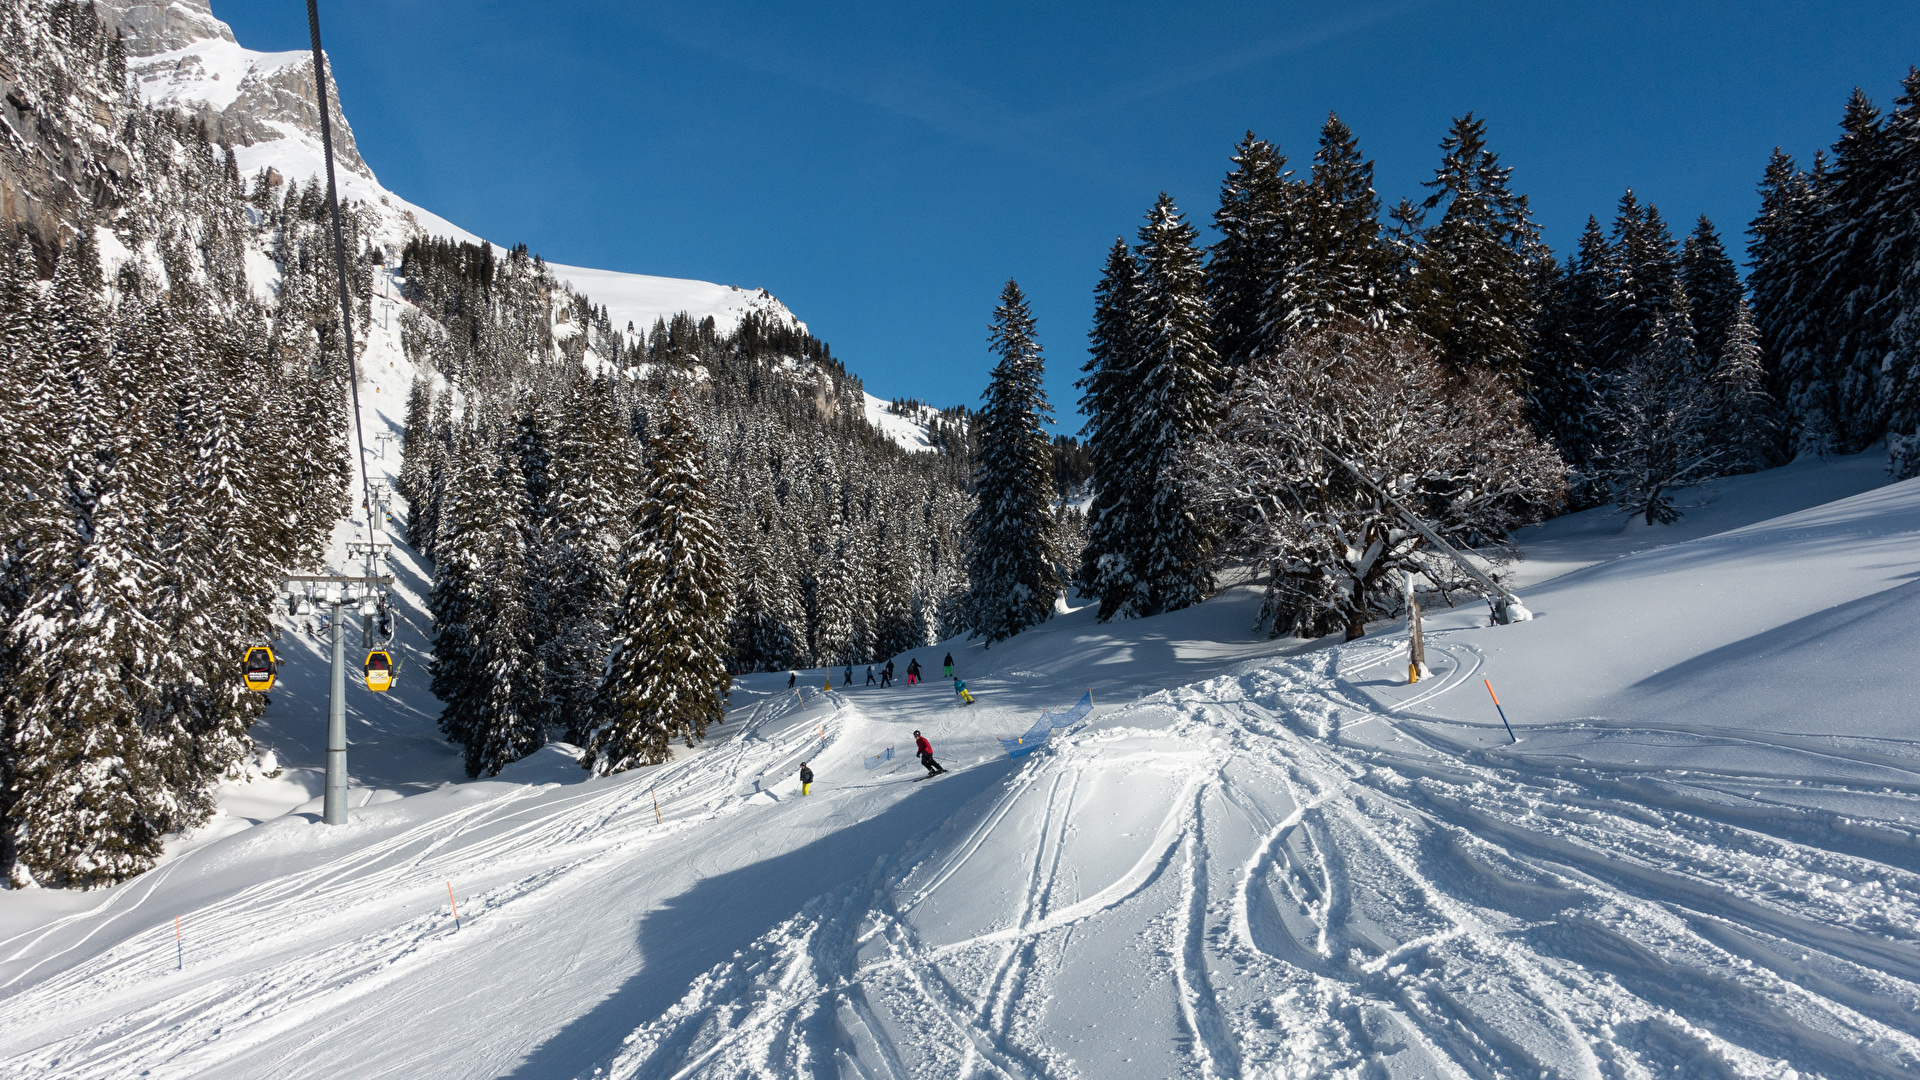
(339, 254)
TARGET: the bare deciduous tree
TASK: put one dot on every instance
(1452, 447)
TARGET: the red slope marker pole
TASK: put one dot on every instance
(454, 906)
(179, 948)
(1503, 713)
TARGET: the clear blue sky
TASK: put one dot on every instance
(884, 168)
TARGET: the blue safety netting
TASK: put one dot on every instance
(879, 759)
(1050, 720)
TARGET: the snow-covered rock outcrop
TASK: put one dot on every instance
(181, 56)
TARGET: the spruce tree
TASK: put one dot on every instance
(1013, 581)
(1902, 259)
(1470, 287)
(1713, 287)
(1746, 424)
(1642, 273)
(1346, 264)
(1110, 394)
(1660, 418)
(1258, 250)
(1784, 281)
(1857, 281)
(667, 674)
(594, 471)
(1177, 373)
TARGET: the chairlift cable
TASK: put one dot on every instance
(339, 256)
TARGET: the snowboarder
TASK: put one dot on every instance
(949, 665)
(869, 674)
(961, 689)
(913, 672)
(849, 681)
(791, 676)
(925, 750)
(806, 779)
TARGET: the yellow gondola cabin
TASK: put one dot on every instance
(379, 671)
(261, 667)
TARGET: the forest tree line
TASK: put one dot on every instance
(1279, 399)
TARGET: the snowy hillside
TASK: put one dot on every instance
(913, 432)
(183, 57)
(1255, 860)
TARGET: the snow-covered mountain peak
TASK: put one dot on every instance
(146, 29)
(181, 56)
(263, 104)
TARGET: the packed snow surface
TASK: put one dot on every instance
(1257, 859)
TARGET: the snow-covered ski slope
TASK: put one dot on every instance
(1700, 859)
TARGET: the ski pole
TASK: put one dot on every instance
(179, 949)
(1512, 738)
(456, 907)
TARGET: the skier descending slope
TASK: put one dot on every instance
(925, 749)
(806, 779)
(949, 663)
(961, 689)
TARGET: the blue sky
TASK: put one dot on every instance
(884, 168)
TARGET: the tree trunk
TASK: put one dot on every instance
(1356, 627)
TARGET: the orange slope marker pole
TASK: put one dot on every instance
(1511, 738)
(657, 820)
(456, 907)
(179, 947)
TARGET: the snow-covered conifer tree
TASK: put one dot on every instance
(1745, 424)
(1713, 287)
(1470, 289)
(1110, 395)
(1346, 267)
(1659, 416)
(1011, 571)
(1257, 253)
(1177, 376)
(667, 674)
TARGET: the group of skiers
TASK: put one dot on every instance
(885, 677)
(923, 749)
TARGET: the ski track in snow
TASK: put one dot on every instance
(1264, 873)
(1315, 906)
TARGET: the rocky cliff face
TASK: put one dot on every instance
(74, 76)
(182, 58)
(62, 103)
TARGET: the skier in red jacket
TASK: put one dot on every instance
(925, 748)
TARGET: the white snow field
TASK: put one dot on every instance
(1258, 859)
